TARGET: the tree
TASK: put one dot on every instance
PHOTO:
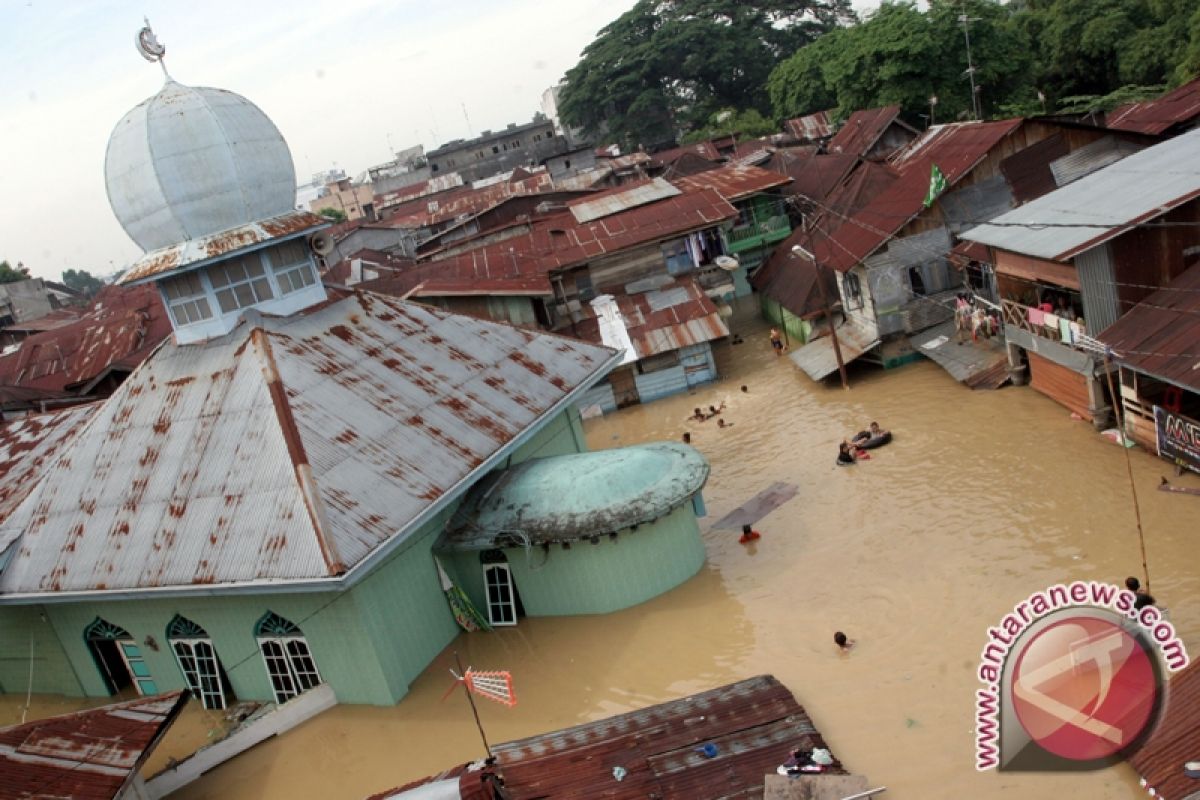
(334, 214)
(10, 275)
(748, 124)
(82, 281)
(666, 66)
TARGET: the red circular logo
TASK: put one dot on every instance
(1084, 688)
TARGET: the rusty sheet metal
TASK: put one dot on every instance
(1100, 206)
(623, 198)
(956, 149)
(791, 281)
(476, 272)
(122, 326)
(466, 202)
(665, 158)
(197, 252)
(734, 182)
(1160, 336)
(818, 359)
(1028, 171)
(1178, 107)
(570, 497)
(1159, 761)
(204, 469)
(442, 183)
(810, 127)
(655, 327)
(862, 130)
(754, 724)
(88, 755)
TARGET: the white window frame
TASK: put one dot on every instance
(204, 684)
(289, 676)
(196, 307)
(254, 284)
(293, 276)
(497, 604)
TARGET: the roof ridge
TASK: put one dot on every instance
(295, 447)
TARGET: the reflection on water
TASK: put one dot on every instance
(982, 498)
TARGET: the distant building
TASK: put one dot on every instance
(356, 201)
(25, 301)
(499, 151)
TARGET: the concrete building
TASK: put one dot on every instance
(356, 201)
(25, 301)
(499, 151)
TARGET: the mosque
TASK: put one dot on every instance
(305, 485)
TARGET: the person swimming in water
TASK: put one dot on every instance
(846, 454)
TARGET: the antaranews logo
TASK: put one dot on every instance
(1072, 679)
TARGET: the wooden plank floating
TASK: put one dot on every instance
(757, 507)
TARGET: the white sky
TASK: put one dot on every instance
(338, 77)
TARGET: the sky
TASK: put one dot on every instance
(346, 81)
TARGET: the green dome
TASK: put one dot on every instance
(570, 497)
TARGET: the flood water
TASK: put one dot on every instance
(983, 498)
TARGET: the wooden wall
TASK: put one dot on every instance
(1064, 386)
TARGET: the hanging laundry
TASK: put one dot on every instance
(1064, 326)
(1050, 321)
(1035, 316)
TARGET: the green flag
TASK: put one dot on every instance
(937, 185)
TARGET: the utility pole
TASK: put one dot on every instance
(837, 348)
(966, 21)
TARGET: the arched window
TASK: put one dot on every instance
(198, 662)
(290, 664)
(502, 601)
(118, 657)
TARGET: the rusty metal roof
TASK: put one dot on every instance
(570, 497)
(623, 198)
(1174, 742)
(1177, 107)
(956, 149)
(862, 130)
(291, 449)
(120, 328)
(466, 202)
(677, 315)
(1160, 336)
(791, 280)
(87, 755)
(734, 182)
(753, 724)
(704, 150)
(442, 183)
(194, 253)
(810, 127)
(475, 272)
(1100, 206)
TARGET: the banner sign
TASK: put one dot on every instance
(1178, 438)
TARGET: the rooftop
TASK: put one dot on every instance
(1100, 206)
(734, 182)
(1174, 741)
(88, 755)
(678, 314)
(570, 497)
(291, 450)
(862, 130)
(1177, 107)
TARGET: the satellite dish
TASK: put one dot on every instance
(727, 263)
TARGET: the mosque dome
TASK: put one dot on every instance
(192, 161)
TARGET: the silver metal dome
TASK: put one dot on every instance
(189, 162)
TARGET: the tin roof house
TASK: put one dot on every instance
(253, 512)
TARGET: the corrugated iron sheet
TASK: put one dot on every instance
(1160, 336)
(653, 330)
(289, 449)
(88, 755)
(1102, 205)
(621, 199)
(121, 327)
(791, 280)
(466, 202)
(442, 183)
(734, 182)
(1178, 107)
(811, 127)
(818, 359)
(1159, 762)
(665, 158)
(196, 252)
(1089, 158)
(1028, 171)
(476, 272)
(862, 130)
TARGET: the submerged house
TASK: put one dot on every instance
(1071, 263)
(253, 512)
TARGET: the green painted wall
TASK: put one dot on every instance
(798, 330)
(561, 436)
(596, 578)
(21, 626)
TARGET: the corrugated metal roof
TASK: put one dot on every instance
(1177, 107)
(621, 199)
(818, 359)
(88, 755)
(1174, 742)
(735, 181)
(570, 497)
(1160, 336)
(956, 149)
(655, 327)
(1102, 205)
(704, 150)
(791, 280)
(810, 127)
(442, 183)
(862, 130)
(1028, 171)
(475, 272)
(121, 327)
(466, 202)
(1089, 158)
(194, 253)
(290, 449)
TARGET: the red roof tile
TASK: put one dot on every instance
(88, 755)
(1160, 336)
(1178, 107)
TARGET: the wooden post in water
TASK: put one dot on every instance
(837, 349)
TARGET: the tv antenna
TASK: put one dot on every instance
(970, 73)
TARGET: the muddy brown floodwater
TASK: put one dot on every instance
(983, 498)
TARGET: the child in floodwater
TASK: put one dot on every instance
(846, 454)
(721, 423)
(748, 535)
(842, 642)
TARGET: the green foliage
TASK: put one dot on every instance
(1083, 104)
(334, 214)
(666, 66)
(748, 124)
(10, 275)
(82, 281)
